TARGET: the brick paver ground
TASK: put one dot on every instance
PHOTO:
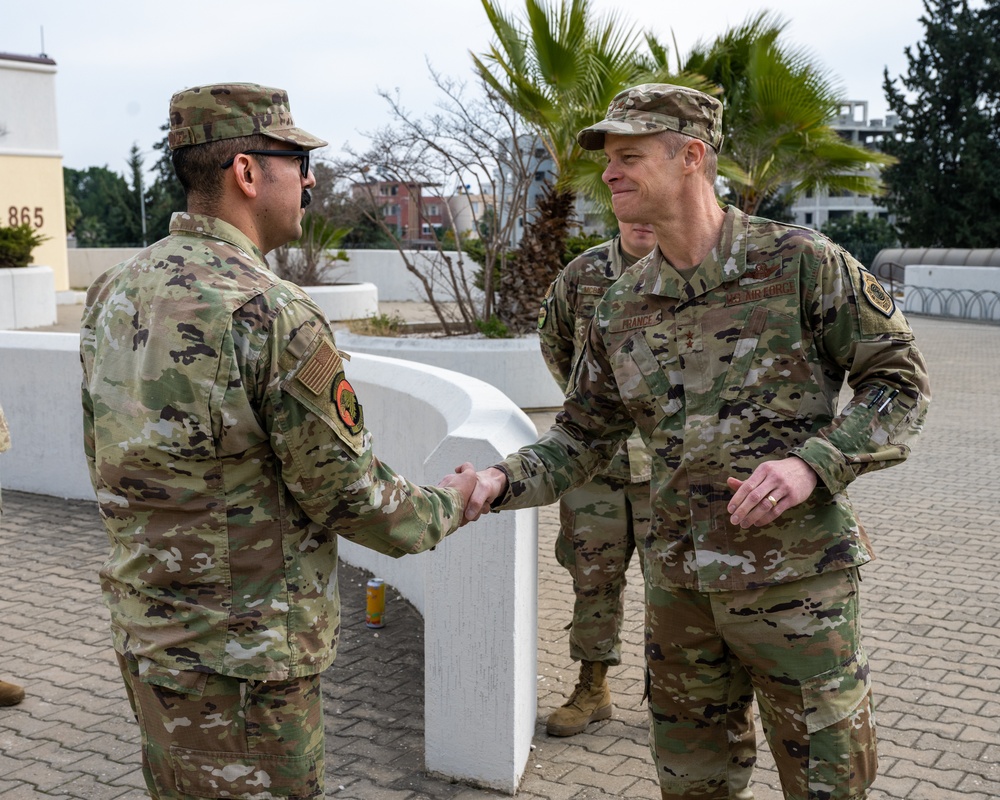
(932, 604)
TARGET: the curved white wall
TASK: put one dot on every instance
(384, 268)
(477, 589)
(514, 366)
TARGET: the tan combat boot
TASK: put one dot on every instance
(10, 694)
(590, 701)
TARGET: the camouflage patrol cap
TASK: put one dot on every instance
(654, 107)
(229, 110)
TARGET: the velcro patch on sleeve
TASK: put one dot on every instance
(348, 407)
(318, 372)
(876, 296)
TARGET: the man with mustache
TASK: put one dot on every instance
(228, 451)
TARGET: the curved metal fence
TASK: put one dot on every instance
(983, 305)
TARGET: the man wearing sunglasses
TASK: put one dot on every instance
(228, 450)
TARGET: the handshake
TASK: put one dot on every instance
(478, 489)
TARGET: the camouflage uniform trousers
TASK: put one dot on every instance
(796, 646)
(229, 737)
(600, 523)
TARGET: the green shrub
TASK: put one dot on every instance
(378, 325)
(493, 328)
(17, 243)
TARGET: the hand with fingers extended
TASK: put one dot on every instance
(773, 487)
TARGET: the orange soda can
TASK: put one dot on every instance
(375, 611)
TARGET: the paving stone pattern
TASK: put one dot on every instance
(932, 603)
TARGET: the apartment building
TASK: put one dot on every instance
(813, 209)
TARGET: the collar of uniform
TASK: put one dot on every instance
(725, 262)
(613, 269)
(214, 228)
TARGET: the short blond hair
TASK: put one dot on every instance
(673, 141)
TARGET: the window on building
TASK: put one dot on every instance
(433, 210)
(809, 218)
(839, 213)
(390, 210)
(540, 176)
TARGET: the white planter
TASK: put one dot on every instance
(514, 366)
(27, 298)
(346, 301)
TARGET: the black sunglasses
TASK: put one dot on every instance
(303, 154)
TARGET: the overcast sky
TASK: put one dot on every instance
(120, 60)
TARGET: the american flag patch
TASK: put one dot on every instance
(317, 373)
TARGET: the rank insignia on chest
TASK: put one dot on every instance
(346, 401)
(876, 296)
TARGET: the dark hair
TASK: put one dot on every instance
(199, 170)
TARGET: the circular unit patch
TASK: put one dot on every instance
(348, 407)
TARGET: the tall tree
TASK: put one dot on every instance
(109, 215)
(135, 172)
(165, 195)
(945, 190)
(778, 105)
(558, 67)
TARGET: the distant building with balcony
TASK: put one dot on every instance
(405, 209)
(585, 214)
(814, 209)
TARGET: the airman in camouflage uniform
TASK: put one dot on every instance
(10, 693)
(228, 451)
(601, 521)
(727, 346)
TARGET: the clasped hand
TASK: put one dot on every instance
(478, 489)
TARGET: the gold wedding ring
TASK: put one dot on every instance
(772, 501)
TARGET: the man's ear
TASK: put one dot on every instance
(247, 175)
(694, 154)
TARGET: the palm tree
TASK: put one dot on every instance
(558, 68)
(778, 104)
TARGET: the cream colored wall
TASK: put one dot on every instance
(31, 190)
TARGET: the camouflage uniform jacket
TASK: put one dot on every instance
(740, 364)
(228, 451)
(563, 320)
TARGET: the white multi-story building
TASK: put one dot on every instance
(813, 209)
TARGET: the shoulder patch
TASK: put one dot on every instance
(876, 296)
(319, 370)
(346, 402)
(543, 313)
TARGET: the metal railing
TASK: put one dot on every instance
(982, 305)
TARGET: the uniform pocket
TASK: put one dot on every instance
(645, 387)
(836, 694)
(770, 367)
(201, 773)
